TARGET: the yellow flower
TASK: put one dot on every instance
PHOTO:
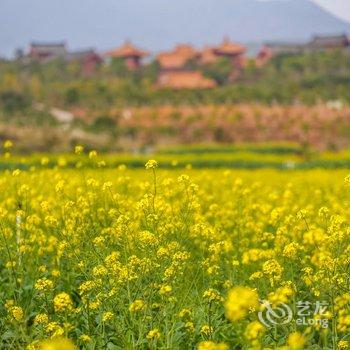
(210, 345)
(296, 341)
(9, 304)
(347, 180)
(235, 262)
(61, 162)
(254, 330)
(79, 149)
(92, 154)
(41, 319)
(165, 289)
(43, 283)
(240, 301)
(57, 344)
(98, 240)
(185, 313)
(107, 316)
(44, 161)
(189, 327)
(16, 172)
(10, 264)
(86, 287)
(272, 268)
(94, 305)
(137, 305)
(151, 164)
(85, 338)
(153, 334)
(291, 250)
(63, 302)
(52, 327)
(281, 295)
(212, 295)
(17, 313)
(343, 345)
(8, 144)
(207, 330)
(56, 273)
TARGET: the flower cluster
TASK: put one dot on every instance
(123, 258)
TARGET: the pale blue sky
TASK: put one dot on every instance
(159, 24)
(339, 7)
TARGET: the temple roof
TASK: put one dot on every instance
(330, 41)
(127, 50)
(83, 54)
(186, 51)
(208, 56)
(171, 60)
(46, 45)
(227, 47)
(58, 48)
(178, 57)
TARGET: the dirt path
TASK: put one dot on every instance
(62, 116)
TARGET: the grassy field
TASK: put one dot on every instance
(118, 258)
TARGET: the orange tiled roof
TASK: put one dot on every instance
(171, 60)
(127, 50)
(229, 48)
(208, 56)
(178, 57)
(185, 80)
(186, 51)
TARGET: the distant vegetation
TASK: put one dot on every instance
(285, 100)
(306, 78)
(283, 156)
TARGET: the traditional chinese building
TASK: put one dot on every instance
(88, 60)
(317, 44)
(176, 71)
(208, 56)
(178, 59)
(331, 42)
(131, 55)
(186, 51)
(43, 52)
(234, 52)
(170, 61)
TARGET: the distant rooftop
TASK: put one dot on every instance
(127, 50)
(47, 44)
(228, 47)
(82, 54)
(171, 60)
(330, 40)
(186, 50)
(47, 49)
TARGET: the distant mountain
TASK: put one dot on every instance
(158, 24)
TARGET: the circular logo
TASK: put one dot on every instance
(271, 316)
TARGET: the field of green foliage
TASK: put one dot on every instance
(245, 156)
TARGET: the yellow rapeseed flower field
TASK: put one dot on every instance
(174, 259)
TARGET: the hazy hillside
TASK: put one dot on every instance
(158, 24)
